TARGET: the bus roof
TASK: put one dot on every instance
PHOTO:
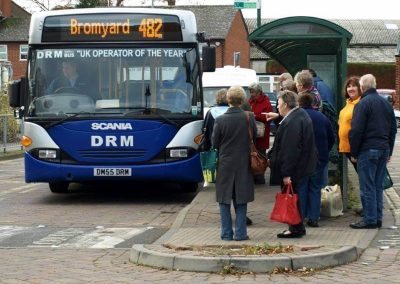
(186, 18)
(229, 76)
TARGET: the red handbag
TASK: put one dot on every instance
(285, 208)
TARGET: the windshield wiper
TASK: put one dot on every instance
(166, 119)
(157, 115)
(67, 118)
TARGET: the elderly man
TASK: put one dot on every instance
(372, 136)
(282, 78)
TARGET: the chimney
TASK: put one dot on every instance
(5, 8)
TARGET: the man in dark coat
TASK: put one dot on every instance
(294, 154)
(372, 137)
(234, 178)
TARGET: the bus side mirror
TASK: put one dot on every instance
(209, 59)
(14, 94)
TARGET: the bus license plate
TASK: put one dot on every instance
(112, 172)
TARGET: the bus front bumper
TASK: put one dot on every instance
(188, 170)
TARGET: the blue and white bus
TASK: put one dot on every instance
(132, 111)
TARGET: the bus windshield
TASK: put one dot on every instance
(114, 80)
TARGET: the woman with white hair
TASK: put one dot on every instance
(294, 154)
(234, 182)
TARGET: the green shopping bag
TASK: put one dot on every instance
(387, 181)
(209, 162)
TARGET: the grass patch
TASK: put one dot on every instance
(11, 154)
(243, 250)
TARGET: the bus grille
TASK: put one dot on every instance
(112, 154)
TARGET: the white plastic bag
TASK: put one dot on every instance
(260, 129)
(331, 201)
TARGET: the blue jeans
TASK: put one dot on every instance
(371, 166)
(240, 221)
(310, 194)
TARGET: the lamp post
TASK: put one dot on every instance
(258, 13)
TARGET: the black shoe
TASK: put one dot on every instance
(312, 223)
(244, 239)
(291, 235)
(362, 225)
(249, 222)
(379, 224)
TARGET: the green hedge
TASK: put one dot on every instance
(385, 73)
(13, 129)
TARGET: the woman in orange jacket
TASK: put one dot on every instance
(352, 92)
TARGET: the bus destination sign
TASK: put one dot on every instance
(113, 27)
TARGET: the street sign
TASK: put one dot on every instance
(244, 4)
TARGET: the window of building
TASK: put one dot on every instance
(23, 52)
(3, 52)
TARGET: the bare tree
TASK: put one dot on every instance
(44, 5)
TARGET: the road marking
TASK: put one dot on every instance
(9, 231)
(98, 238)
(57, 238)
(104, 238)
(18, 188)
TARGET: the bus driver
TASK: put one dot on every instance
(69, 81)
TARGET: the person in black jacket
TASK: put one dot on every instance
(372, 137)
(220, 108)
(294, 153)
(324, 140)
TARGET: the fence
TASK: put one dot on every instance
(10, 133)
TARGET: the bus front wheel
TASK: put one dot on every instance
(189, 186)
(59, 187)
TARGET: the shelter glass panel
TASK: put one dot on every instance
(300, 29)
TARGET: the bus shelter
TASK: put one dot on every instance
(307, 42)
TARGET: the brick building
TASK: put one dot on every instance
(397, 99)
(14, 29)
(227, 30)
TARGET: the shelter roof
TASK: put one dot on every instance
(373, 40)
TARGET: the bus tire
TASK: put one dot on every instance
(58, 187)
(189, 186)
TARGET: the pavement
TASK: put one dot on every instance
(193, 242)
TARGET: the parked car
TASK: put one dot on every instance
(389, 94)
(397, 115)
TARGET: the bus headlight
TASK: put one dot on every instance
(178, 153)
(47, 154)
